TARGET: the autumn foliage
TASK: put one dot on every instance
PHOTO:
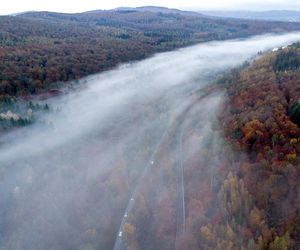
(260, 122)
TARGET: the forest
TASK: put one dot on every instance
(40, 51)
(261, 122)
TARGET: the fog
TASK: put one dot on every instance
(67, 180)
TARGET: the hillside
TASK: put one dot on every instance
(41, 50)
(261, 122)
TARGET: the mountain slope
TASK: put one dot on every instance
(38, 49)
(261, 121)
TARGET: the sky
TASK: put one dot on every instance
(71, 6)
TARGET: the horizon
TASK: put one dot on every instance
(68, 6)
(156, 6)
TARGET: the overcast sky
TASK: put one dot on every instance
(14, 6)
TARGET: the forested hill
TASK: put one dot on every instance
(261, 122)
(41, 50)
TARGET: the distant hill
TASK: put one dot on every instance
(156, 9)
(20, 13)
(275, 15)
(42, 50)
